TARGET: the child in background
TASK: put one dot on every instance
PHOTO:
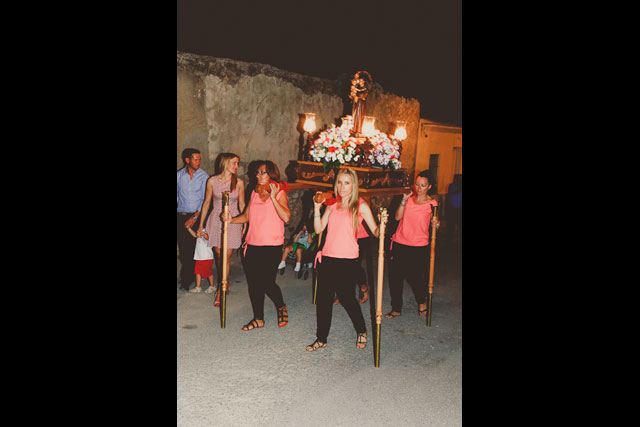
(301, 242)
(204, 262)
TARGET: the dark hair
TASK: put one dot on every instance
(425, 174)
(272, 169)
(188, 152)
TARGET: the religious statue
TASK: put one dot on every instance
(360, 86)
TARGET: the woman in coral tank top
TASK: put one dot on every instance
(338, 268)
(267, 211)
(410, 247)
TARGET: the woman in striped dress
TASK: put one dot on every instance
(226, 179)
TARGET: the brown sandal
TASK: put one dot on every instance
(392, 314)
(363, 293)
(283, 317)
(361, 340)
(316, 345)
(253, 324)
(422, 313)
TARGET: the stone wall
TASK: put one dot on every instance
(256, 111)
(387, 109)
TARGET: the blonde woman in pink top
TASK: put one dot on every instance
(410, 247)
(338, 267)
(266, 213)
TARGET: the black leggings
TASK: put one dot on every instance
(411, 263)
(261, 267)
(364, 245)
(337, 276)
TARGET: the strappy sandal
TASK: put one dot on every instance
(422, 313)
(283, 317)
(363, 293)
(362, 340)
(336, 301)
(253, 324)
(392, 314)
(316, 345)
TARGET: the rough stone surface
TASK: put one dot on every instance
(256, 111)
(387, 109)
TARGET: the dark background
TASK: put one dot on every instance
(115, 307)
(412, 48)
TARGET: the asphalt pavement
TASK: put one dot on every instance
(265, 377)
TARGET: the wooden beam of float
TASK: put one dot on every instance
(375, 181)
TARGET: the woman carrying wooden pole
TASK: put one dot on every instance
(226, 179)
(410, 247)
(338, 259)
(383, 221)
(266, 213)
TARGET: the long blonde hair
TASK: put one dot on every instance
(221, 166)
(354, 202)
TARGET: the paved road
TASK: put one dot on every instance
(227, 377)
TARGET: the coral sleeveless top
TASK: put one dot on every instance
(266, 228)
(341, 241)
(362, 232)
(413, 229)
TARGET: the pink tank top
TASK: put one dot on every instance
(266, 228)
(362, 232)
(413, 229)
(341, 241)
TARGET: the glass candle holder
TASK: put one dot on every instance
(401, 130)
(368, 126)
(310, 122)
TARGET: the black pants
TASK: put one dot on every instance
(337, 276)
(261, 267)
(186, 247)
(410, 263)
(365, 254)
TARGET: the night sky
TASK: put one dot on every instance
(412, 48)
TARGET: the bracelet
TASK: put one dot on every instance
(316, 216)
(403, 203)
(195, 217)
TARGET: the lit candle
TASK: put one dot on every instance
(368, 128)
(401, 131)
(310, 122)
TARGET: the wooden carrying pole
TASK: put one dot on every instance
(432, 261)
(383, 222)
(223, 253)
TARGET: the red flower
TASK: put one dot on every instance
(332, 149)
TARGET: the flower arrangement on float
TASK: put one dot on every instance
(335, 146)
(385, 152)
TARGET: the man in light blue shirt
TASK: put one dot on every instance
(191, 187)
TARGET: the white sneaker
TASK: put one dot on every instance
(195, 290)
(209, 290)
(297, 267)
(282, 265)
